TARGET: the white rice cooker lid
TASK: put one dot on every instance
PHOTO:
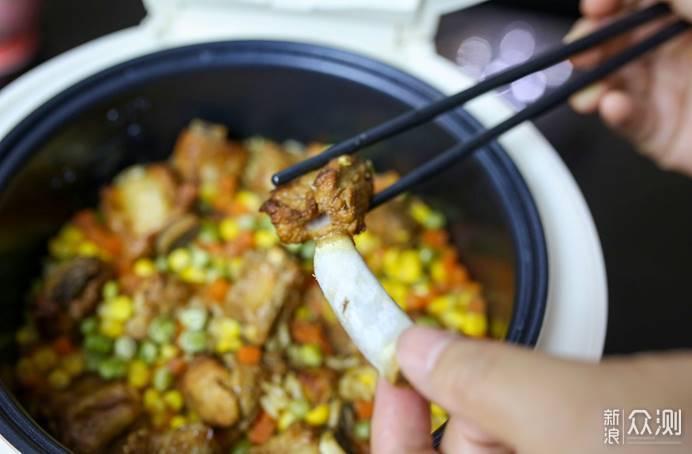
(401, 33)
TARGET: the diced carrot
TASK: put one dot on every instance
(97, 233)
(363, 409)
(218, 289)
(262, 429)
(437, 238)
(415, 302)
(177, 366)
(244, 241)
(63, 345)
(457, 274)
(249, 354)
(310, 333)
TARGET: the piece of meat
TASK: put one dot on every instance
(208, 391)
(294, 440)
(71, 292)
(269, 280)
(152, 296)
(317, 384)
(392, 223)
(332, 200)
(264, 160)
(193, 438)
(245, 383)
(203, 155)
(91, 413)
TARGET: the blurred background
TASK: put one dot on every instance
(643, 215)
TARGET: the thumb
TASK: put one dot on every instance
(507, 391)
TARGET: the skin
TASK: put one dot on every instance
(503, 398)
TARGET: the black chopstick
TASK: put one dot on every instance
(417, 117)
(544, 104)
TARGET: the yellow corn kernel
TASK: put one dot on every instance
(367, 376)
(249, 199)
(88, 249)
(168, 352)
(144, 267)
(318, 416)
(159, 419)
(117, 309)
(475, 324)
(26, 335)
(390, 262)
(409, 268)
(71, 234)
(224, 328)
(44, 359)
(111, 328)
(178, 421)
(226, 345)
(366, 242)
(419, 211)
(193, 275)
(464, 298)
(397, 290)
(438, 272)
(73, 364)
(152, 401)
(173, 399)
(229, 229)
(179, 259)
(59, 379)
(285, 420)
(138, 375)
(265, 239)
(454, 319)
(192, 417)
(235, 266)
(207, 192)
(440, 304)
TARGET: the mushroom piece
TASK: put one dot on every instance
(71, 292)
(177, 233)
(208, 391)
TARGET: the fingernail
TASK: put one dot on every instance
(587, 100)
(419, 348)
(579, 29)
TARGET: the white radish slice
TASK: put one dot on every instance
(370, 316)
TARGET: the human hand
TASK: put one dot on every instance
(650, 100)
(503, 398)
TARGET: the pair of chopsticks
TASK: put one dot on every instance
(549, 101)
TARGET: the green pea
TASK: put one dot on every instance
(193, 341)
(98, 344)
(193, 318)
(111, 368)
(361, 430)
(110, 290)
(161, 330)
(88, 325)
(148, 352)
(125, 347)
(162, 379)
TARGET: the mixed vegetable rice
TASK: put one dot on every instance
(169, 318)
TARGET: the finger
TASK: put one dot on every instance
(401, 421)
(682, 8)
(600, 8)
(617, 109)
(466, 437)
(586, 59)
(587, 100)
(497, 386)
